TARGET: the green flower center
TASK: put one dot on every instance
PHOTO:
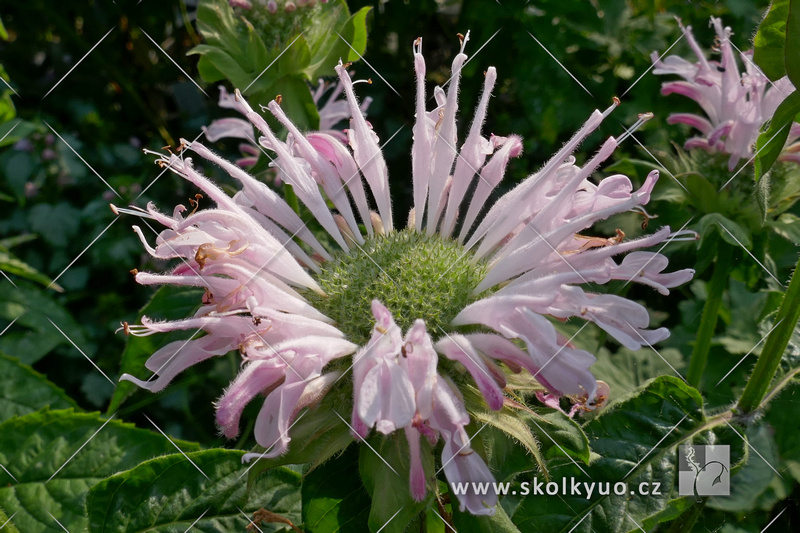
(413, 275)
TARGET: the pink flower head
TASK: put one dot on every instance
(736, 104)
(263, 269)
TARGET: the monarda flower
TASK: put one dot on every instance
(401, 318)
(736, 104)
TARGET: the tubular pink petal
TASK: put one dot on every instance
(490, 176)
(695, 121)
(303, 184)
(386, 398)
(181, 355)
(349, 173)
(367, 153)
(458, 348)
(444, 147)
(264, 199)
(561, 368)
(275, 418)
(417, 480)
(229, 127)
(253, 379)
(421, 151)
(326, 173)
(472, 156)
(419, 359)
(506, 213)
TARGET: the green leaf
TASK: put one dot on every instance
(11, 264)
(33, 335)
(673, 510)
(216, 22)
(170, 494)
(170, 303)
(384, 468)
(754, 477)
(327, 51)
(625, 370)
(333, 498)
(497, 523)
(783, 415)
(770, 143)
(702, 193)
(792, 53)
(294, 59)
(24, 390)
(730, 231)
(234, 50)
(559, 435)
(769, 43)
(787, 226)
(632, 440)
(218, 64)
(6, 525)
(55, 456)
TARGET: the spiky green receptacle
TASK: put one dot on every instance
(414, 275)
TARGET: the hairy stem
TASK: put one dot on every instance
(776, 343)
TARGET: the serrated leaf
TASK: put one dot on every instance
(55, 456)
(33, 335)
(170, 494)
(6, 524)
(770, 143)
(634, 440)
(24, 390)
(384, 468)
(769, 42)
(730, 231)
(333, 498)
(170, 303)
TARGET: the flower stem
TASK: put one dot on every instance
(770, 357)
(708, 322)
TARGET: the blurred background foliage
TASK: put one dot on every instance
(70, 148)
